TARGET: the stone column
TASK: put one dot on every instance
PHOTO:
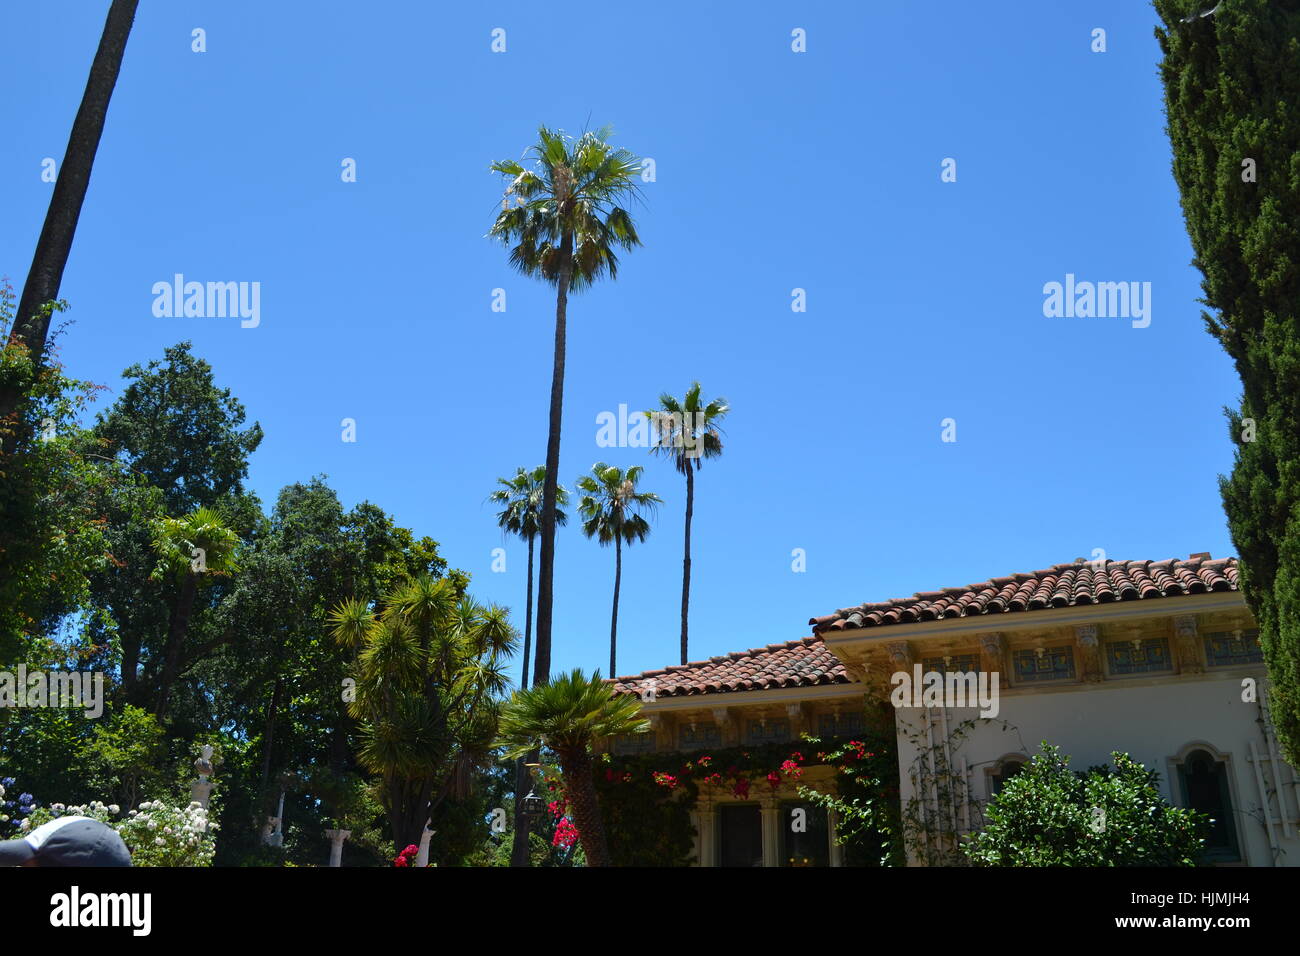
(336, 838)
(833, 827)
(771, 832)
(696, 818)
(707, 841)
(201, 789)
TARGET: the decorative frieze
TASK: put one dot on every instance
(1088, 642)
(1188, 644)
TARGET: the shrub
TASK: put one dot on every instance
(1048, 815)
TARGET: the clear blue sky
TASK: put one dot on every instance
(775, 170)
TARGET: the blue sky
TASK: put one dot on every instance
(775, 170)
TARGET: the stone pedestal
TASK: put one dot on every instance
(336, 838)
(422, 858)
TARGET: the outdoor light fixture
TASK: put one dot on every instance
(533, 805)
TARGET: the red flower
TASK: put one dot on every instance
(566, 834)
(741, 788)
(774, 780)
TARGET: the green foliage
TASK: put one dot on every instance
(689, 429)
(567, 714)
(569, 199)
(52, 536)
(1232, 94)
(520, 500)
(1047, 815)
(611, 507)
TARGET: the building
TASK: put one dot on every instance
(1159, 659)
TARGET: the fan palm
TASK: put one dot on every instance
(563, 219)
(520, 498)
(688, 432)
(611, 510)
(431, 672)
(567, 715)
(190, 550)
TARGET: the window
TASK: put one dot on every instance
(841, 725)
(1139, 657)
(634, 743)
(740, 835)
(959, 664)
(767, 731)
(1204, 781)
(1233, 648)
(699, 737)
(805, 836)
(1054, 663)
(1006, 768)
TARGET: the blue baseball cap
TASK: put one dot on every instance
(67, 841)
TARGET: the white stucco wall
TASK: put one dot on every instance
(1153, 720)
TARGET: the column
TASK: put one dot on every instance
(706, 840)
(336, 838)
(833, 829)
(422, 857)
(771, 832)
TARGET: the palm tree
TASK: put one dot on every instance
(688, 432)
(191, 551)
(431, 672)
(521, 514)
(564, 226)
(611, 511)
(566, 715)
(32, 322)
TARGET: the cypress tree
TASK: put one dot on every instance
(1232, 105)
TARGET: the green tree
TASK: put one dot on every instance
(567, 715)
(1047, 815)
(613, 510)
(688, 431)
(1231, 93)
(191, 550)
(564, 226)
(430, 670)
(55, 242)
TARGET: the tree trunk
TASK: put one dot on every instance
(613, 620)
(73, 179)
(580, 787)
(528, 616)
(519, 849)
(686, 561)
(182, 611)
(546, 573)
(270, 730)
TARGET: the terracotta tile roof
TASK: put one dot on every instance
(1063, 585)
(801, 663)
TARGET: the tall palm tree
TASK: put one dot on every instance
(688, 432)
(563, 226)
(566, 715)
(191, 551)
(32, 322)
(611, 510)
(520, 498)
(521, 514)
(431, 674)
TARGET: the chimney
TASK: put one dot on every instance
(1202, 555)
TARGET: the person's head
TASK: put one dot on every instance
(67, 841)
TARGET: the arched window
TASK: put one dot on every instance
(1004, 770)
(1204, 780)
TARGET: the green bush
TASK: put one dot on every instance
(1048, 815)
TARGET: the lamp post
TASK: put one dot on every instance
(533, 805)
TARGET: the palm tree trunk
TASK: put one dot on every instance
(269, 744)
(528, 616)
(613, 621)
(519, 848)
(546, 573)
(55, 242)
(580, 787)
(686, 561)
